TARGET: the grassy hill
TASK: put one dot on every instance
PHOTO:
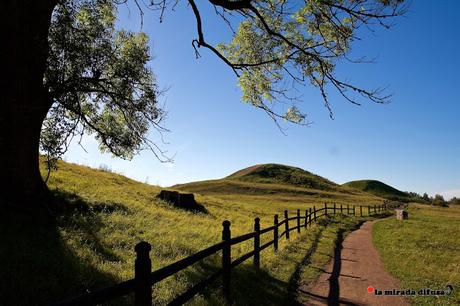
(376, 188)
(273, 183)
(281, 174)
(383, 190)
(100, 216)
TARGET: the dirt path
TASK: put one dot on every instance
(356, 265)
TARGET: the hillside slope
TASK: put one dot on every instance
(385, 191)
(280, 183)
(377, 188)
(100, 216)
(281, 174)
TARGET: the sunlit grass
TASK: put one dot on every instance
(423, 251)
(92, 244)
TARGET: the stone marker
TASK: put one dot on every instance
(401, 214)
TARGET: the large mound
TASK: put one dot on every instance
(281, 174)
(379, 189)
(271, 181)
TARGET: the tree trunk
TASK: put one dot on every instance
(24, 100)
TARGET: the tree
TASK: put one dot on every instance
(112, 92)
(439, 201)
(69, 72)
(426, 197)
(454, 201)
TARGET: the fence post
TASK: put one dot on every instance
(368, 210)
(375, 211)
(257, 243)
(298, 220)
(286, 216)
(226, 259)
(341, 209)
(306, 218)
(275, 234)
(334, 208)
(314, 213)
(361, 210)
(142, 270)
(348, 209)
(309, 216)
(354, 210)
(325, 208)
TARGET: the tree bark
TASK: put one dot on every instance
(24, 100)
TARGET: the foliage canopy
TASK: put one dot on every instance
(99, 82)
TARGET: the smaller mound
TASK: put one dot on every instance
(379, 189)
(281, 174)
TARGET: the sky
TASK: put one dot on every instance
(413, 143)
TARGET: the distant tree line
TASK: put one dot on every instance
(454, 201)
(437, 200)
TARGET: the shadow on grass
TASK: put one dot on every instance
(38, 266)
(252, 287)
(296, 276)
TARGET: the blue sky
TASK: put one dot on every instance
(412, 143)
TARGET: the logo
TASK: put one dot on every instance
(411, 292)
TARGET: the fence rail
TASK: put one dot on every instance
(144, 278)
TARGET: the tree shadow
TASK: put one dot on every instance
(333, 297)
(334, 288)
(39, 266)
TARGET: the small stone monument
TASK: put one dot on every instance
(401, 214)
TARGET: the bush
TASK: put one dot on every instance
(439, 201)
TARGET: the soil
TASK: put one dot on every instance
(354, 268)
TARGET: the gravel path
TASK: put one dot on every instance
(355, 267)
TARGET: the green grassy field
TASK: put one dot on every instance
(423, 251)
(101, 216)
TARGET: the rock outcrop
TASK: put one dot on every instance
(181, 200)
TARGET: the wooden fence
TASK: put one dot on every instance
(144, 278)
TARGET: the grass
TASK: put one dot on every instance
(276, 173)
(385, 191)
(376, 187)
(275, 179)
(423, 251)
(101, 216)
